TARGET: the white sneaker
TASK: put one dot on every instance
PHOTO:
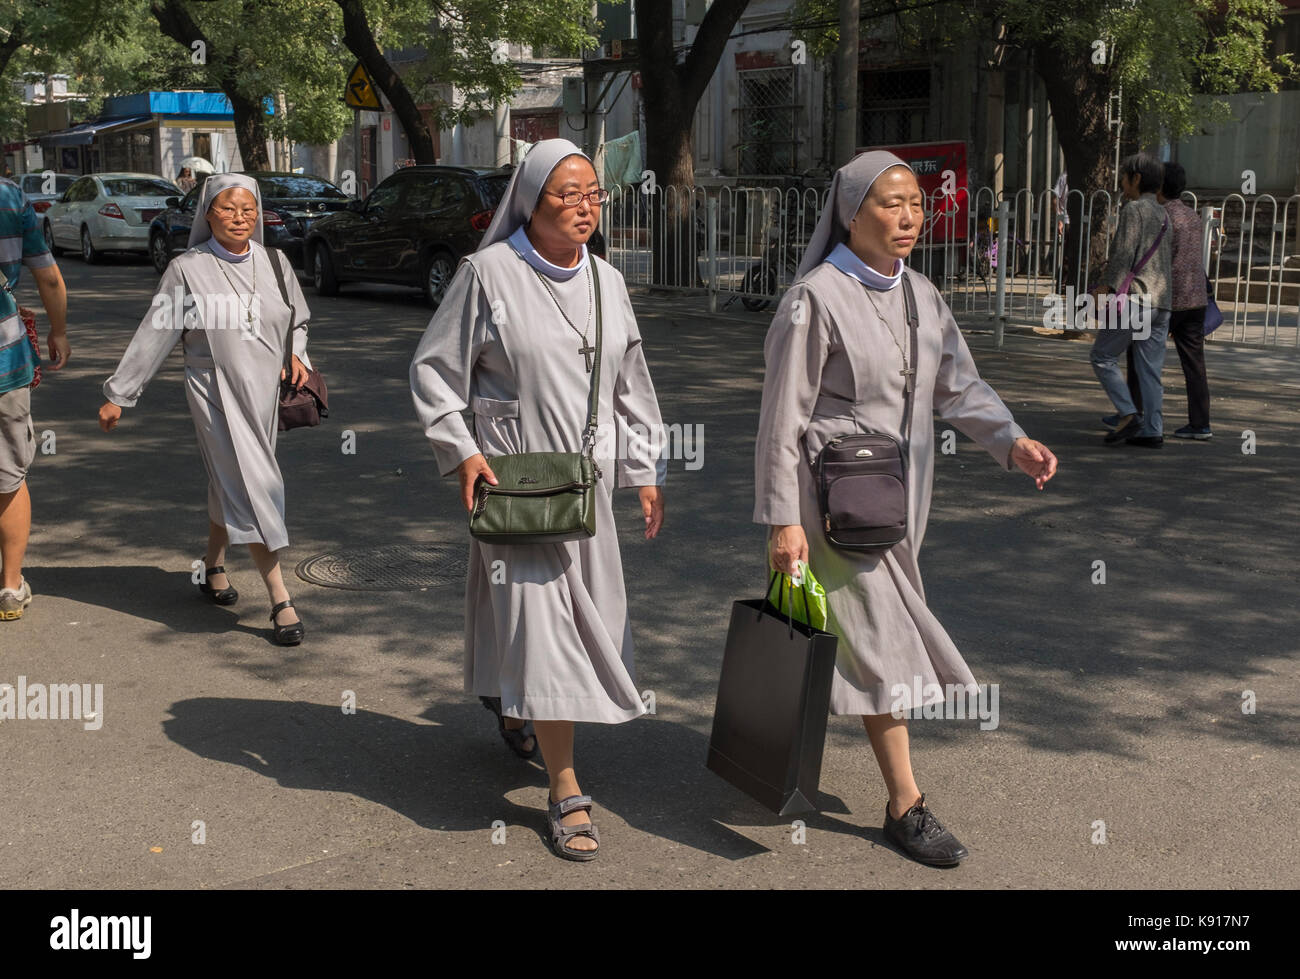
(13, 601)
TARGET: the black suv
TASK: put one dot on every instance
(412, 229)
(291, 203)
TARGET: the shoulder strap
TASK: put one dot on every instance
(589, 436)
(274, 256)
(909, 379)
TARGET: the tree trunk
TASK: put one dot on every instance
(361, 42)
(11, 45)
(250, 119)
(670, 93)
(1078, 92)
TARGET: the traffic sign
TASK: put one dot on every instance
(360, 92)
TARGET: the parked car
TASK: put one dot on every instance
(33, 185)
(106, 212)
(291, 203)
(412, 230)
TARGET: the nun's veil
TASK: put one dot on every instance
(848, 190)
(525, 189)
(201, 231)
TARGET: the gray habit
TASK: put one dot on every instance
(232, 378)
(831, 364)
(546, 625)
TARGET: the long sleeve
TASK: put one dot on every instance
(155, 337)
(795, 352)
(1123, 247)
(638, 425)
(964, 399)
(442, 370)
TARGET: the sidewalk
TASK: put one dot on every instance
(1118, 702)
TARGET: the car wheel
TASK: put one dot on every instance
(322, 271)
(88, 251)
(439, 268)
(55, 250)
(160, 253)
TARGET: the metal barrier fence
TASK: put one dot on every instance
(745, 244)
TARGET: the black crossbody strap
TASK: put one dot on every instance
(909, 380)
(589, 436)
(274, 256)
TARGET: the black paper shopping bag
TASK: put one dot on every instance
(769, 725)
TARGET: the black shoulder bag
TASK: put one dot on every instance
(861, 477)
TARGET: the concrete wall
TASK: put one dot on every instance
(1264, 136)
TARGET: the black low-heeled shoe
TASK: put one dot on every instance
(224, 596)
(286, 635)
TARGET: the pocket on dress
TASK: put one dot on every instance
(496, 425)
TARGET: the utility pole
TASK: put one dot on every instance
(846, 84)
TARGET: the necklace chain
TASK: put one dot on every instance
(248, 308)
(907, 367)
(582, 333)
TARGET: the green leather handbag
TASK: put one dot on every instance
(543, 497)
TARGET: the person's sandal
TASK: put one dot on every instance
(286, 635)
(513, 737)
(560, 834)
(224, 596)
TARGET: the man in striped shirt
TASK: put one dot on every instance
(21, 243)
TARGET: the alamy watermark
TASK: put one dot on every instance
(207, 311)
(953, 701)
(53, 702)
(1108, 311)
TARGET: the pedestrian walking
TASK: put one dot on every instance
(1139, 266)
(185, 180)
(233, 331)
(837, 363)
(21, 243)
(1187, 301)
(547, 634)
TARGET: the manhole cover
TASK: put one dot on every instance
(392, 567)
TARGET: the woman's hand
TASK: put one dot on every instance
(469, 472)
(1034, 459)
(109, 414)
(299, 373)
(652, 505)
(787, 546)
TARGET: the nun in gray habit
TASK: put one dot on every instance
(835, 356)
(547, 635)
(223, 304)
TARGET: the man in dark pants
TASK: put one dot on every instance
(1187, 321)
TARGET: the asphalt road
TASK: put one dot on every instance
(1120, 703)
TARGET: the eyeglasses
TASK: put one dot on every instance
(573, 198)
(228, 212)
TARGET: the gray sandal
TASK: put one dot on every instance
(560, 834)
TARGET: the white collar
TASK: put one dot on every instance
(222, 252)
(842, 258)
(519, 241)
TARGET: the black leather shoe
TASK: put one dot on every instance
(226, 596)
(286, 635)
(922, 837)
(1124, 431)
(1146, 441)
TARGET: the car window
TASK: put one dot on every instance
(389, 195)
(445, 194)
(296, 186)
(139, 187)
(191, 200)
(31, 183)
(493, 189)
(82, 190)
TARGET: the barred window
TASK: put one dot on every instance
(769, 121)
(895, 106)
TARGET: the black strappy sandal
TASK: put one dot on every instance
(286, 635)
(513, 737)
(560, 834)
(224, 596)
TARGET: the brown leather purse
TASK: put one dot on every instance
(305, 405)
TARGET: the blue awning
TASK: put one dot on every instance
(84, 134)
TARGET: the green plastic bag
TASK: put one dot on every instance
(805, 601)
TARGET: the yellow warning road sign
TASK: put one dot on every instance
(360, 92)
